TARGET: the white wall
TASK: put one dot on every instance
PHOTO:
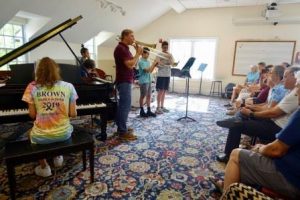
(55, 50)
(106, 61)
(217, 22)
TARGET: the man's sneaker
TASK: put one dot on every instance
(127, 136)
(143, 114)
(159, 111)
(43, 172)
(165, 110)
(151, 114)
(58, 161)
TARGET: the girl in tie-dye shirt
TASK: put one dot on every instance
(51, 102)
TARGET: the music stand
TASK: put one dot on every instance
(175, 72)
(185, 73)
(201, 68)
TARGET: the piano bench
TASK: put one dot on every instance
(19, 152)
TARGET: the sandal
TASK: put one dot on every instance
(218, 183)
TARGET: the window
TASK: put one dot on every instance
(203, 49)
(11, 37)
(91, 46)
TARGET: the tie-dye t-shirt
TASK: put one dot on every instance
(52, 123)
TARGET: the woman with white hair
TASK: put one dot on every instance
(251, 79)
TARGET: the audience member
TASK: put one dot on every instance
(249, 94)
(265, 85)
(285, 64)
(252, 78)
(275, 166)
(269, 121)
(277, 91)
(261, 66)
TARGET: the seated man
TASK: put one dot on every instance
(275, 166)
(263, 87)
(277, 92)
(269, 121)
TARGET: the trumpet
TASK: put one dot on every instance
(152, 48)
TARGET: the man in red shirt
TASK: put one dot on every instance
(125, 62)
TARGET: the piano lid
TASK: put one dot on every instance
(38, 40)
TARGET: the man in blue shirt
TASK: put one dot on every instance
(145, 82)
(275, 166)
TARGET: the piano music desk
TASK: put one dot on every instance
(23, 151)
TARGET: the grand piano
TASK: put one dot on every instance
(94, 98)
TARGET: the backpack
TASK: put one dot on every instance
(228, 90)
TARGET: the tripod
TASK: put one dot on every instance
(186, 74)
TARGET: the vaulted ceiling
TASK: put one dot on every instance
(96, 18)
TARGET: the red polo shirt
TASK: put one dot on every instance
(123, 73)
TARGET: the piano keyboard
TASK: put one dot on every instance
(13, 112)
(16, 112)
(87, 106)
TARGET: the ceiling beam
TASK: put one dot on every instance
(176, 5)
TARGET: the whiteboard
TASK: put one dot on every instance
(252, 52)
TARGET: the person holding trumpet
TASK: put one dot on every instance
(145, 71)
(125, 62)
(165, 61)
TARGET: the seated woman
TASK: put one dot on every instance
(275, 95)
(249, 94)
(265, 85)
(251, 79)
(51, 103)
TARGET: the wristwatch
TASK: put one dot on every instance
(251, 115)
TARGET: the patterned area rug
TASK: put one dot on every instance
(170, 160)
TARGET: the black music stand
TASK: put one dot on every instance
(175, 72)
(185, 73)
(201, 68)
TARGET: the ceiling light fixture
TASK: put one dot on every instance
(112, 6)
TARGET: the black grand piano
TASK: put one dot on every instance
(94, 98)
